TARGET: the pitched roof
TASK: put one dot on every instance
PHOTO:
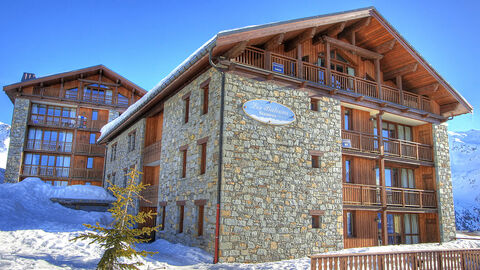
(75, 73)
(259, 34)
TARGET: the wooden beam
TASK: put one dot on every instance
(99, 82)
(449, 107)
(347, 46)
(332, 31)
(359, 98)
(427, 89)
(409, 68)
(306, 35)
(385, 47)
(355, 27)
(336, 29)
(236, 50)
(274, 42)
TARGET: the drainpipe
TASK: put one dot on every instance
(220, 157)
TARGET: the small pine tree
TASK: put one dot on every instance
(120, 238)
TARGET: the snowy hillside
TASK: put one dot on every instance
(4, 141)
(465, 162)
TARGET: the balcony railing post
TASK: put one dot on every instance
(403, 197)
(268, 60)
(421, 199)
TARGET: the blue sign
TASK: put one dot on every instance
(346, 143)
(268, 112)
(277, 67)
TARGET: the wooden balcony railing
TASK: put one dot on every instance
(52, 146)
(53, 172)
(407, 197)
(91, 124)
(407, 149)
(150, 196)
(89, 174)
(100, 99)
(368, 143)
(289, 66)
(91, 149)
(152, 152)
(52, 121)
(368, 195)
(354, 194)
(400, 260)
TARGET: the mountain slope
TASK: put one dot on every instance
(4, 142)
(465, 162)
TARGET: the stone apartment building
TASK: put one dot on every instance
(56, 122)
(293, 138)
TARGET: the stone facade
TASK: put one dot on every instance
(270, 186)
(195, 186)
(446, 211)
(124, 158)
(17, 139)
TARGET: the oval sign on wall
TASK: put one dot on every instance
(268, 112)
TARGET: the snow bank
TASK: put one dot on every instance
(27, 205)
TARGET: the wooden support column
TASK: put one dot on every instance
(399, 83)
(378, 78)
(62, 90)
(74, 146)
(327, 64)
(299, 62)
(381, 169)
(80, 91)
(132, 97)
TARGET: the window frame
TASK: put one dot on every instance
(350, 224)
(205, 86)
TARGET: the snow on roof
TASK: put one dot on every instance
(186, 64)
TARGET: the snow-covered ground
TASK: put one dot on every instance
(35, 233)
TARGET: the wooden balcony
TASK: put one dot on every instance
(57, 93)
(369, 195)
(91, 124)
(368, 143)
(50, 146)
(45, 171)
(306, 71)
(150, 196)
(90, 149)
(56, 122)
(152, 152)
(88, 174)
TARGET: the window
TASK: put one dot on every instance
(60, 183)
(131, 141)
(125, 177)
(94, 115)
(347, 119)
(181, 213)
(49, 140)
(88, 183)
(347, 167)
(71, 93)
(203, 154)
(314, 105)
(90, 163)
(92, 138)
(53, 115)
(205, 98)
(200, 218)
(183, 151)
(315, 221)
(46, 165)
(315, 161)
(122, 100)
(164, 212)
(350, 224)
(187, 109)
(97, 93)
(113, 152)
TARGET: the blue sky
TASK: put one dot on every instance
(145, 40)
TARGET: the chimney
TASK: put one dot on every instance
(28, 76)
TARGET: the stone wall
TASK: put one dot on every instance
(446, 211)
(124, 158)
(269, 186)
(174, 188)
(18, 132)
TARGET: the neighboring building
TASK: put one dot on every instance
(365, 162)
(56, 122)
